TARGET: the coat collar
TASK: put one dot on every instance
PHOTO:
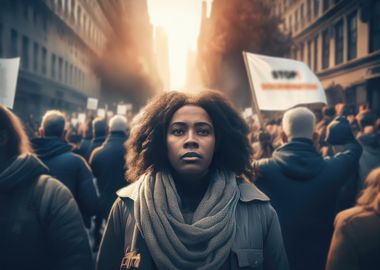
(248, 192)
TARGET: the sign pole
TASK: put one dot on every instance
(255, 105)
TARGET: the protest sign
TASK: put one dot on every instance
(8, 80)
(279, 83)
(82, 118)
(101, 113)
(121, 109)
(92, 103)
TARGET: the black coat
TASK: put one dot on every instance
(39, 230)
(303, 187)
(71, 169)
(108, 165)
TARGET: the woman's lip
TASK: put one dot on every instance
(191, 158)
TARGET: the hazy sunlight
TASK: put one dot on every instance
(181, 21)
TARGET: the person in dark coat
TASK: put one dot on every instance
(356, 241)
(84, 146)
(108, 164)
(40, 223)
(69, 168)
(99, 128)
(369, 138)
(303, 188)
(191, 205)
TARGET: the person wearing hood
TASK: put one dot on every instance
(69, 168)
(40, 223)
(99, 128)
(303, 187)
(369, 138)
(107, 163)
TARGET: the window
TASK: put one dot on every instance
(66, 72)
(316, 8)
(73, 9)
(302, 16)
(25, 52)
(375, 28)
(60, 68)
(52, 68)
(302, 54)
(296, 21)
(79, 15)
(315, 53)
(35, 57)
(325, 49)
(339, 43)
(308, 8)
(309, 53)
(325, 5)
(290, 23)
(352, 36)
(1, 39)
(44, 60)
(14, 43)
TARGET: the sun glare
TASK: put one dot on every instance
(181, 22)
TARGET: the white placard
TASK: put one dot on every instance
(129, 107)
(74, 121)
(121, 109)
(248, 112)
(101, 113)
(8, 80)
(92, 103)
(281, 83)
(82, 118)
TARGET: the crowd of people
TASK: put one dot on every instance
(191, 184)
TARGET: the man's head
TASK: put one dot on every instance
(298, 123)
(118, 123)
(99, 127)
(53, 124)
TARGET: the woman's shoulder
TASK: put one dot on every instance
(249, 192)
(130, 191)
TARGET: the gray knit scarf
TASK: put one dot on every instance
(173, 244)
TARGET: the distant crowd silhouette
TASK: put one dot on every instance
(190, 183)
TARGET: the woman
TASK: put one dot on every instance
(191, 205)
(356, 240)
(40, 224)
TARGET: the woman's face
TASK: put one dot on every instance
(190, 141)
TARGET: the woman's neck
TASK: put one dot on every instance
(191, 190)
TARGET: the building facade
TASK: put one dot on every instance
(340, 41)
(58, 42)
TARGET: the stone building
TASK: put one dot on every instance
(340, 41)
(58, 42)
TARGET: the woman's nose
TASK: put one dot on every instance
(191, 140)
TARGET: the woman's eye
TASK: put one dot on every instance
(203, 132)
(177, 132)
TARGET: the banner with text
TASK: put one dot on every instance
(281, 83)
(92, 103)
(8, 80)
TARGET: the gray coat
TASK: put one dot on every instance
(258, 243)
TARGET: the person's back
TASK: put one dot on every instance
(69, 168)
(99, 127)
(108, 164)
(356, 241)
(303, 187)
(40, 223)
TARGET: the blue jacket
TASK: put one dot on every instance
(71, 169)
(303, 187)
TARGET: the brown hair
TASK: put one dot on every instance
(17, 141)
(146, 147)
(370, 195)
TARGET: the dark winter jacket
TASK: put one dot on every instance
(303, 188)
(108, 166)
(39, 228)
(258, 242)
(71, 169)
(370, 158)
(95, 143)
(84, 148)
